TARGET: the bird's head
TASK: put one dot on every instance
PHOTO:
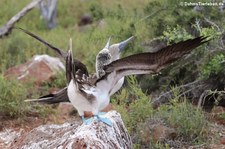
(117, 48)
(104, 56)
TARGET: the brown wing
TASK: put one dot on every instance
(77, 77)
(76, 63)
(60, 96)
(146, 63)
(60, 52)
(154, 62)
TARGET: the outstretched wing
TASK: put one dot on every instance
(58, 51)
(76, 63)
(154, 61)
(145, 63)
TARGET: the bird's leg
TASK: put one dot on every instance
(104, 120)
(83, 119)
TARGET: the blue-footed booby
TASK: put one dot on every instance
(113, 53)
(94, 95)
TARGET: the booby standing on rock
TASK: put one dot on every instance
(112, 53)
(86, 95)
(92, 94)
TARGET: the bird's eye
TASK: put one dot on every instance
(103, 58)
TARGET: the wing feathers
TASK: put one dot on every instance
(77, 64)
(155, 61)
(60, 96)
(146, 63)
(60, 52)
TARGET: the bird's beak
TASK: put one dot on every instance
(108, 43)
(123, 44)
(70, 55)
(70, 52)
(70, 44)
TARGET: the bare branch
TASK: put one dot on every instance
(48, 12)
(197, 22)
(5, 30)
(202, 98)
(151, 15)
(213, 24)
(165, 97)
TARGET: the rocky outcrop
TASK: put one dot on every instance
(40, 68)
(75, 136)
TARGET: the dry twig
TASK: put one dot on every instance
(6, 29)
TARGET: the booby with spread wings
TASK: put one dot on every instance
(94, 95)
(112, 53)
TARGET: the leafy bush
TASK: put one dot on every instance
(58, 82)
(12, 98)
(96, 11)
(176, 34)
(189, 121)
(133, 104)
(190, 124)
(215, 65)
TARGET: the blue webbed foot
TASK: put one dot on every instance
(104, 120)
(102, 113)
(87, 121)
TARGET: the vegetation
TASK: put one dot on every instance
(189, 122)
(11, 98)
(155, 20)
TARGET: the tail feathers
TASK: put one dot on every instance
(47, 100)
(58, 97)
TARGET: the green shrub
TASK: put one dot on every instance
(58, 82)
(189, 121)
(176, 34)
(96, 11)
(12, 98)
(215, 65)
(133, 104)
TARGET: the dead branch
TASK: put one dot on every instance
(197, 22)
(48, 12)
(213, 24)
(202, 98)
(187, 88)
(6, 29)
